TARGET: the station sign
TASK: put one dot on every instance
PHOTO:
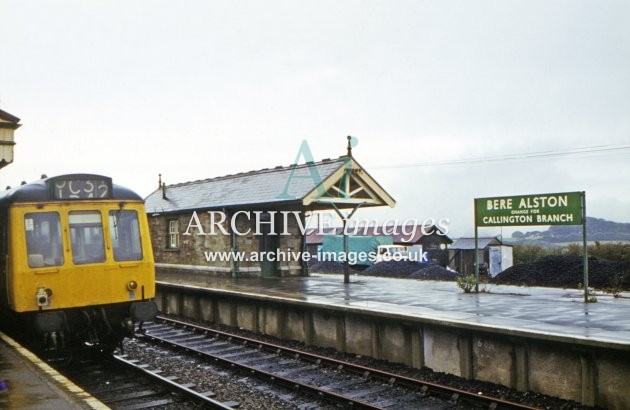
(544, 209)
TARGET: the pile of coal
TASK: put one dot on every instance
(410, 270)
(330, 267)
(567, 272)
(434, 272)
(393, 269)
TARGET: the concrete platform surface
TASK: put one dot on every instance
(548, 312)
(28, 383)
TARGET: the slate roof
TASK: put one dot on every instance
(314, 238)
(249, 188)
(469, 243)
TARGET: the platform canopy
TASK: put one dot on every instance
(348, 186)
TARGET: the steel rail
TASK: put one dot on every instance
(355, 403)
(199, 397)
(447, 391)
(314, 390)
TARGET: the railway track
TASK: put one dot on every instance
(324, 378)
(127, 384)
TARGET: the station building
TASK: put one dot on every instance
(202, 225)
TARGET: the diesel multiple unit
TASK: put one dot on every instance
(76, 264)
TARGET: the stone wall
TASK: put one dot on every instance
(593, 374)
(192, 248)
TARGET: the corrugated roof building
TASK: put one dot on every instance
(494, 256)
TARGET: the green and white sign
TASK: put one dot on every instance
(565, 208)
(544, 209)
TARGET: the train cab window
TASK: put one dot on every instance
(86, 235)
(124, 231)
(43, 239)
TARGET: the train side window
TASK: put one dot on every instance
(43, 239)
(124, 231)
(86, 235)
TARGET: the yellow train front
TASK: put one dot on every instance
(76, 264)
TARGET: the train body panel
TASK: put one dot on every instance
(41, 256)
(76, 262)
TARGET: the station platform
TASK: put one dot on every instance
(26, 382)
(549, 313)
(544, 340)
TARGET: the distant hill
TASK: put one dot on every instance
(596, 230)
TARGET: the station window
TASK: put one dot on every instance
(86, 235)
(124, 231)
(173, 234)
(43, 239)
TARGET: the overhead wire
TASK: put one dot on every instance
(593, 150)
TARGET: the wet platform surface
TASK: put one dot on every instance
(24, 385)
(544, 311)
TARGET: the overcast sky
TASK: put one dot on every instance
(448, 99)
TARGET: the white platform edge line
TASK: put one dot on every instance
(60, 381)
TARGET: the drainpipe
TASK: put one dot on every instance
(233, 246)
(303, 262)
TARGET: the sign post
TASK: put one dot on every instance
(566, 208)
(476, 252)
(585, 248)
